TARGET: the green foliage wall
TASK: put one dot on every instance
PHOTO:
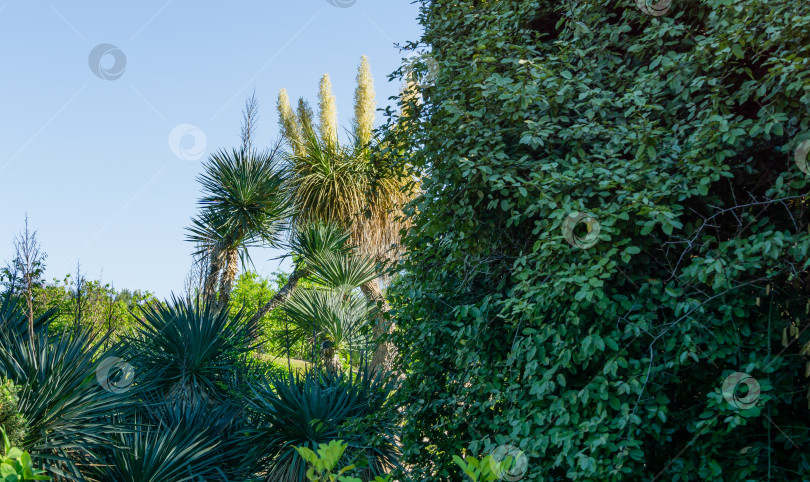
(605, 358)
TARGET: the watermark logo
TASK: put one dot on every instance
(801, 155)
(590, 225)
(115, 375)
(658, 9)
(426, 65)
(180, 137)
(99, 61)
(342, 3)
(508, 462)
(734, 394)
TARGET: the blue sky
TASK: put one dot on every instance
(89, 159)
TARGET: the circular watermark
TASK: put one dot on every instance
(800, 156)
(589, 223)
(657, 9)
(342, 3)
(99, 61)
(115, 375)
(732, 390)
(179, 142)
(508, 462)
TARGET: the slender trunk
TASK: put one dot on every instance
(214, 268)
(30, 301)
(384, 353)
(228, 275)
(281, 296)
(331, 360)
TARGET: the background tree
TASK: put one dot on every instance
(24, 274)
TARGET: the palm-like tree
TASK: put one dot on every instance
(347, 185)
(243, 205)
(307, 243)
(337, 318)
(344, 184)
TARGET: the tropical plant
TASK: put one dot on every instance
(313, 408)
(343, 184)
(307, 243)
(347, 185)
(16, 465)
(338, 319)
(243, 205)
(177, 441)
(65, 407)
(190, 350)
(10, 418)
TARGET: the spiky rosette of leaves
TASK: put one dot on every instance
(313, 408)
(189, 349)
(66, 409)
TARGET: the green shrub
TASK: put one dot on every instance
(10, 418)
(605, 357)
(323, 464)
(16, 465)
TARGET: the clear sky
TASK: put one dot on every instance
(89, 159)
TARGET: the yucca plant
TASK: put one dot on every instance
(305, 410)
(66, 409)
(348, 185)
(243, 205)
(189, 349)
(177, 441)
(307, 242)
(338, 318)
(343, 183)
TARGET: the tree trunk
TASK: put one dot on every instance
(214, 268)
(29, 298)
(228, 275)
(282, 295)
(331, 360)
(384, 353)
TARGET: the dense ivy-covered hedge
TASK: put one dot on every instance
(676, 135)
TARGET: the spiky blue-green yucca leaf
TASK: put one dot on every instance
(176, 441)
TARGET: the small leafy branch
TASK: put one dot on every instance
(16, 464)
(488, 469)
(322, 463)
